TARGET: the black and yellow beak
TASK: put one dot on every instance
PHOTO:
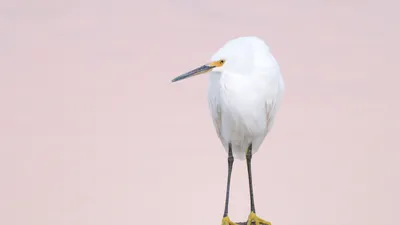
(200, 70)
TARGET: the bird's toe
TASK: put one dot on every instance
(227, 221)
(257, 220)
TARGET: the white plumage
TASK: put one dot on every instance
(244, 94)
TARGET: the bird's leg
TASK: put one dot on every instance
(225, 219)
(252, 216)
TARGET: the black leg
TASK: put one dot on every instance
(230, 164)
(249, 155)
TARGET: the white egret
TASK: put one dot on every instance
(244, 94)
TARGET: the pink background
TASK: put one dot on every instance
(92, 132)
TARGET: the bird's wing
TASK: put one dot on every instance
(272, 106)
(216, 113)
(274, 99)
(270, 111)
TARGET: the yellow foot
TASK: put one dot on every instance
(227, 221)
(257, 220)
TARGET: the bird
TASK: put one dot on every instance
(245, 91)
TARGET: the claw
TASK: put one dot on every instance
(257, 220)
(227, 221)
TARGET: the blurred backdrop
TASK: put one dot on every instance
(93, 132)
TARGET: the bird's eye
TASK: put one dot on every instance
(222, 61)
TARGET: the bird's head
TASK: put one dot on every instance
(236, 56)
